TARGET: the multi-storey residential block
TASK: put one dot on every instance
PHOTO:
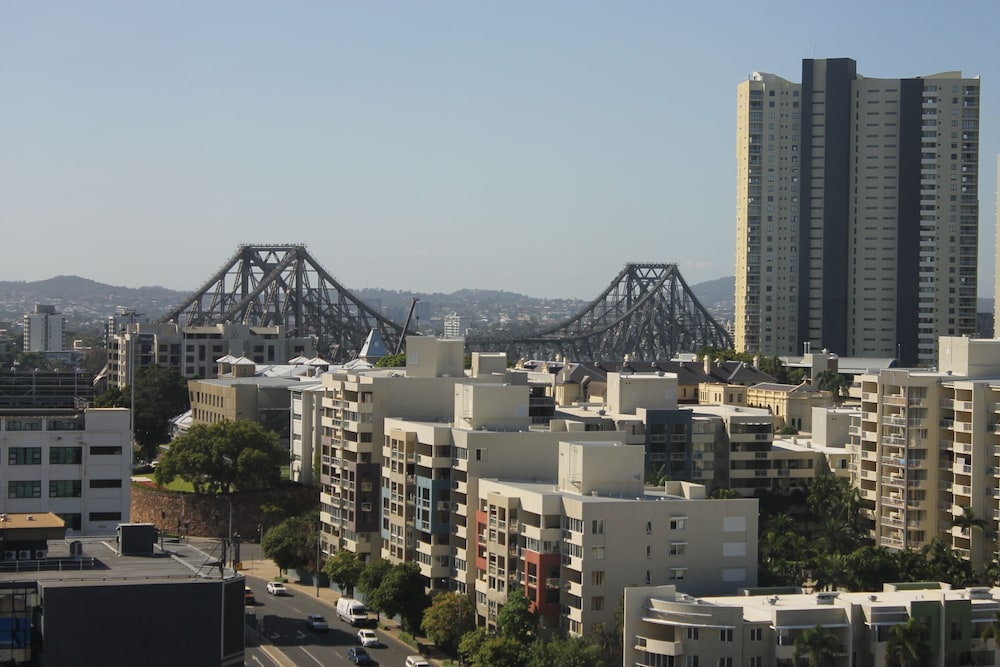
(73, 462)
(194, 351)
(664, 626)
(355, 407)
(44, 330)
(615, 533)
(925, 449)
(857, 212)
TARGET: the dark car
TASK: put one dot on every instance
(359, 656)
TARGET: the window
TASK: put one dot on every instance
(64, 488)
(725, 662)
(677, 548)
(597, 527)
(677, 573)
(105, 516)
(678, 523)
(24, 489)
(649, 551)
(649, 527)
(692, 633)
(105, 484)
(597, 553)
(65, 455)
(756, 661)
(24, 456)
(726, 635)
(597, 577)
(105, 451)
(691, 661)
(73, 521)
(480, 454)
(756, 634)
(597, 603)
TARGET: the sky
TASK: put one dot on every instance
(533, 147)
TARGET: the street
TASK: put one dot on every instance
(282, 620)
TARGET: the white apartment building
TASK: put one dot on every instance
(926, 446)
(194, 351)
(574, 545)
(44, 330)
(456, 326)
(665, 627)
(857, 212)
(74, 463)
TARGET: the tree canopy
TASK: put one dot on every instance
(160, 395)
(223, 457)
(401, 592)
(344, 568)
(292, 543)
(448, 618)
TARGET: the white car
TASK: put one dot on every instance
(276, 588)
(368, 638)
(317, 622)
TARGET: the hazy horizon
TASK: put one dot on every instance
(534, 148)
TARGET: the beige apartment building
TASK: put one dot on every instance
(194, 351)
(926, 446)
(857, 212)
(665, 626)
(615, 533)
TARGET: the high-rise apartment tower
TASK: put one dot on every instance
(857, 212)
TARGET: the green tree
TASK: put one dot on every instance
(870, 566)
(449, 617)
(371, 579)
(160, 395)
(968, 520)
(907, 645)
(565, 652)
(471, 642)
(817, 645)
(401, 592)
(292, 543)
(836, 506)
(835, 383)
(224, 456)
(392, 361)
(723, 493)
(500, 651)
(344, 569)
(516, 619)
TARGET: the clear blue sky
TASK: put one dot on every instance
(535, 147)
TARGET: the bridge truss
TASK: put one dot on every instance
(648, 312)
(283, 285)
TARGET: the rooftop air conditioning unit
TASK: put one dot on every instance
(41, 554)
(24, 554)
(10, 555)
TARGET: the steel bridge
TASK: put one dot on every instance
(648, 312)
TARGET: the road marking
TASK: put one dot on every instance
(297, 611)
(257, 660)
(311, 656)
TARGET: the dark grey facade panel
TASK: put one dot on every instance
(908, 221)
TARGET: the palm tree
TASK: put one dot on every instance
(968, 520)
(835, 383)
(907, 646)
(818, 646)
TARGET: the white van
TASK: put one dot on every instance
(352, 611)
(416, 661)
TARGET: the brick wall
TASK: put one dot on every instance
(208, 516)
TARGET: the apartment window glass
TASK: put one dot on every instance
(597, 553)
(691, 661)
(756, 634)
(64, 488)
(726, 635)
(756, 661)
(597, 603)
(105, 484)
(105, 451)
(597, 577)
(692, 633)
(24, 489)
(597, 527)
(678, 523)
(24, 456)
(65, 455)
(105, 516)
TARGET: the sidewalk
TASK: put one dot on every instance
(268, 571)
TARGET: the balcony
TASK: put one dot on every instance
(659, 646)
